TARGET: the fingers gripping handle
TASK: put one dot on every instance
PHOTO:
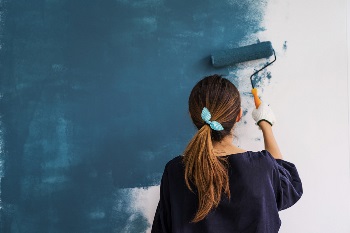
(257, 101)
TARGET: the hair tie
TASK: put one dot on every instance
(213, 124)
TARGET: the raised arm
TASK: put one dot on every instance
(265, 118)
(287, 183)
(269, 140)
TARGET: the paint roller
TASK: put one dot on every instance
(242, 54)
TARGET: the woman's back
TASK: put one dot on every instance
(204, 192)
(260, 186)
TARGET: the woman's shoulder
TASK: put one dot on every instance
(263, 154)
(175, 162)
(262, 157)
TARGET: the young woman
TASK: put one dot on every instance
(217, 187)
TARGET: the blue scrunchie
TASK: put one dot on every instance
(213, 124)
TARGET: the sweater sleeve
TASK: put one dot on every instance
(162, 217)
(288, 186)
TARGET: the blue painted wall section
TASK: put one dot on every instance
(94, 100)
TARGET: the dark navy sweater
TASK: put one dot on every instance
(260, 187)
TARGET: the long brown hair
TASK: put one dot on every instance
(206, 171)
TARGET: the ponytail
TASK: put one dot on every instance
(206, 174)
(206, 171)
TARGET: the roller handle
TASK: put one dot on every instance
(257, 101)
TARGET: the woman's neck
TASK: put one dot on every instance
(226, 147)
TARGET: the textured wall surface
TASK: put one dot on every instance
(93, 101)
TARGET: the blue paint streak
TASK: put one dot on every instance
(245, 111)
(95, 96)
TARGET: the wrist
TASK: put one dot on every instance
(263, 124)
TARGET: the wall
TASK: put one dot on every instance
(93, 100)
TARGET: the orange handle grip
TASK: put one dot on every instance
(257, 101)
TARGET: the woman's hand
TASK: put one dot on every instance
(263, 113)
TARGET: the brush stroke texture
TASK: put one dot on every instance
(94, 97)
